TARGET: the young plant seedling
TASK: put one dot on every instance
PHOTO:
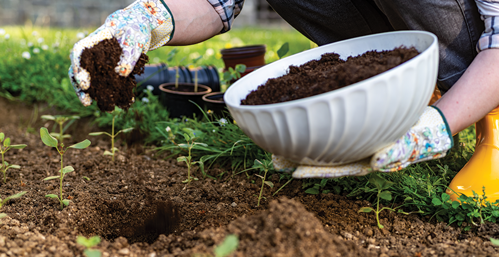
(51, 141)
(190, 138)
(381, 186)
(194, 61)
(89, 243)
(60, 120)
(4, 201)
(227, 247)
(264, 166)
(3, 149)
(117, 111)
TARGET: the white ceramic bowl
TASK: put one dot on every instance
(348, 124)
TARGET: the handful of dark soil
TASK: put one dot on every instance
(107, 87)
(327, 74)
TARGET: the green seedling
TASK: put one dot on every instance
(4, 201)
(117, 111)
(190, 138)
(51, 141)
(60, 120)
(264, 166)
(381, 187)
(3, 149)
(233, 74)
(89, 243)
(227, 247)
(194, 61)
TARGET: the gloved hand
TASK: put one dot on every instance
(430, 138)
(144, 25)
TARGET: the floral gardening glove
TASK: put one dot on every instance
(429, 139)
(144, 25)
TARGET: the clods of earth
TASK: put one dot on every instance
(139, 206)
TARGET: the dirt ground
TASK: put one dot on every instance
(140, 207)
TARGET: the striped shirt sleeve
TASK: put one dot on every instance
(489, 11)
(228, 10)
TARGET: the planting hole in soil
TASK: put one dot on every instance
(107, 87)
(327, 74)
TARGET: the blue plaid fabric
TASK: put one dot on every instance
(489, 11)
(228, 10)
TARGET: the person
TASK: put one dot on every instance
(468, 34)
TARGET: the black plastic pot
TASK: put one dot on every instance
(157, 74)
(214, 101)
(177, 101)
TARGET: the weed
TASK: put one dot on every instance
(3, 149)
(264, 165)
(51, 141)
(89, 243)
(117, 111)
(60, 120)
(4, 201)
(190, 137)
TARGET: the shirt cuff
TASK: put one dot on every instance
(489, 11)
(228, 10)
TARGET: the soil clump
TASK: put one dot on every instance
(327, 74)
(107, 87)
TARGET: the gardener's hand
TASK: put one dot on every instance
(144, 25)
(429, 139)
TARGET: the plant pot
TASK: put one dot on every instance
(177, 100)
(252, 56)
(215, 102)
(156, 74)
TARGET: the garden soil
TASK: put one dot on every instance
(140, 207)
(327, 74)
(107, 87)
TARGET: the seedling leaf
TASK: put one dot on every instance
(283, 50)
(387, 195)
(14, 196)
(494, 241)
(47, 139)
(88, 242)
(3, 215)
(6, 143)
(18, 146)
(81, 145)
(269, 183)
(92, 253)
(108, 153)
(99, 133)
(51, 177)
(2, 136)
(15, 166)
(65, 202)
(125, 130)
(67, 169)
(366, 209)
(52, 196)
(228, 246)
(48, 117)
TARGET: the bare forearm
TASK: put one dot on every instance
(475, 94)
(195, 21)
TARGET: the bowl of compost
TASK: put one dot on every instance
(340, 102)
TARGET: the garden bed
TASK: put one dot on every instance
(140, 207)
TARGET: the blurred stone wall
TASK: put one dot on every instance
(86, 13)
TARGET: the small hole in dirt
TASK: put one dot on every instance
(135, 222)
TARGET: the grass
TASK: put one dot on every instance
(43, 78)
